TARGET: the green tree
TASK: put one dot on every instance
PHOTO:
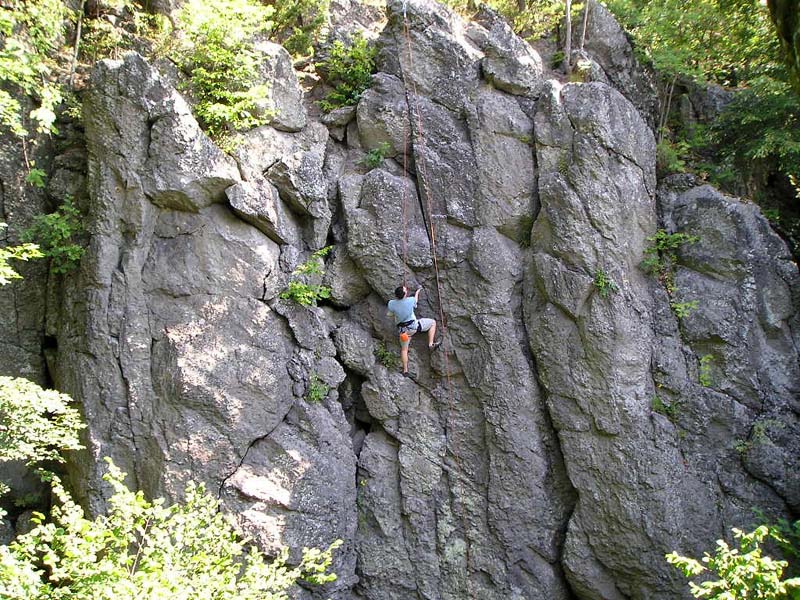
(142, 549)
(761, 128)
(36, 425)
(220, 58)
(348, 69)
(742, 573)
(298, 23)
(727, 41)
(30, 32)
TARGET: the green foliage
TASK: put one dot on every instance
(682, 309)
(704, 370)
(57, 235)
(117, 26)
(787, 535)
(142, 549)
(761, 126)
(30, 32)
(669, 242)
(532, 20)
(386, 357)
(786, 17)
(305, 294)
(773, 215)
(35, 177)
(733, 43)
(297, 24)
(671, 410)
(221, 60)
(742, 573)
(723, 41)
(349, 70)
(604, 284)
(35, 424)
(19, 252)
(317, 389)
(301, 290)
(374, 158)
(660, 256)
(758, 434)
(671, 157)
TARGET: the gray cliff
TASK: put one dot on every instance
(527, 457)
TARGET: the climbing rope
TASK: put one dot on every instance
(422, 178)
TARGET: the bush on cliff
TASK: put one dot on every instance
(742, 573)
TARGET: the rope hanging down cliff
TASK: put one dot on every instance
(422, 178)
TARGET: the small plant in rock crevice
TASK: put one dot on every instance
(300, 290)
(374, 158)
(604, 284)
(758, 435)
(386, 357)
(525, 228)
(704, 370)
(349, 70)
(57, 236)
(661, 255)
(35, 177)
(317, 389)
(660, 261)
(671, 410)
(682, 309)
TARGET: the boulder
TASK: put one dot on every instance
(609, 46)
(285, 100)
(742, 336)
(294, 163)
(383, 116)
(596, 188)
(509, 64)
(258, 202)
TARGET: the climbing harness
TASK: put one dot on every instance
(405, 327)
(422, 178)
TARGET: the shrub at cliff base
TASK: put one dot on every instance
(143, 549)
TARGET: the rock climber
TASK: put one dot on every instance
(402, 307)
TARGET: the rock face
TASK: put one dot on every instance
(607, 45)
(566, 435)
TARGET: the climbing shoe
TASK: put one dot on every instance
(435, 345)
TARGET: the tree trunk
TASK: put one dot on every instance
(665, 108)
(786, 16)
(77, 43)
(585, 21)
(568, 41)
